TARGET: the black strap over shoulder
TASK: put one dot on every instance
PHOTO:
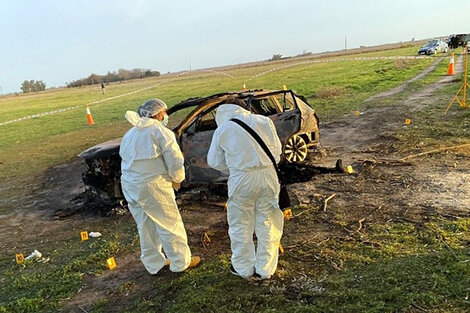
(260, 142)
(284, 199)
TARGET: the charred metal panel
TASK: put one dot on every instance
(102, 150)
(287, 124)
(195, 148)
(309, 122)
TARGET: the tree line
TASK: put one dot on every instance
(33, 86)
(120, 75)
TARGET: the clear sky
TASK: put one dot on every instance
(60, 41)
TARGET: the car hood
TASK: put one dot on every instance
(227, 111)
(102, 150)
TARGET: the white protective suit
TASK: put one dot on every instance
(151, 160)
(253, 188)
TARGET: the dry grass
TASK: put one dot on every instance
(331, 92)
(400, 63)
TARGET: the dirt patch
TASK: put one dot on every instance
(29, 216)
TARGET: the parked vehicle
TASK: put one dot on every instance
(295, 120)
(433, 47)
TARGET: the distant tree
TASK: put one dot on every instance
(39, 86)
(276, 57)
(123, 74)
(32, 86)
(26, 86)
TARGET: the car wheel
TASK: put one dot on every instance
(434, 52)
(296, 149)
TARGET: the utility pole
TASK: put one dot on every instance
(345, 43)
(190, 65)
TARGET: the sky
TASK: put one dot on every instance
(61, 41)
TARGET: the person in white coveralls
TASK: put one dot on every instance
(253, 189)
(152, 166)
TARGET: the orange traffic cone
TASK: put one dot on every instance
(89, 117)
(244, 86)
(450, 70)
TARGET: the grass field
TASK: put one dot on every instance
(387, 267)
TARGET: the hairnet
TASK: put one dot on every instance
(151, 107)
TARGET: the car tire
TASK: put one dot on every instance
(295, 150)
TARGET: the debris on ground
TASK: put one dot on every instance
(206, 240)
(35, 254)
(299, 173)
(94, 234)
(325, 203)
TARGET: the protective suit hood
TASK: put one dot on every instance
(140, 122)
(227, 111)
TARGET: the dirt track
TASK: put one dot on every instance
(381, 189)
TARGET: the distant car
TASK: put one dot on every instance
(295, 120)
(433, 47)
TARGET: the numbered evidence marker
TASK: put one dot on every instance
(19, 258)
(84, 235)
(408, 121)
(110, 263)
(288, 214)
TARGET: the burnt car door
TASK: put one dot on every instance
(282, 109)
(195, 141)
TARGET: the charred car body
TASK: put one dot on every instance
(295, 120)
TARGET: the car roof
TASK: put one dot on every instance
(203, 104)
(220, 96)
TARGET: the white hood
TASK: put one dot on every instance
(140, 122)
(225, 112)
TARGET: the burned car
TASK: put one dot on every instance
(295, 120)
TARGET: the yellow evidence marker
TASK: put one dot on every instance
(84, 235)
(281, 249)
(288, 214)
(110, 263)
(19, 258)
(357, 113)
(350, 169)
(407, 121)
